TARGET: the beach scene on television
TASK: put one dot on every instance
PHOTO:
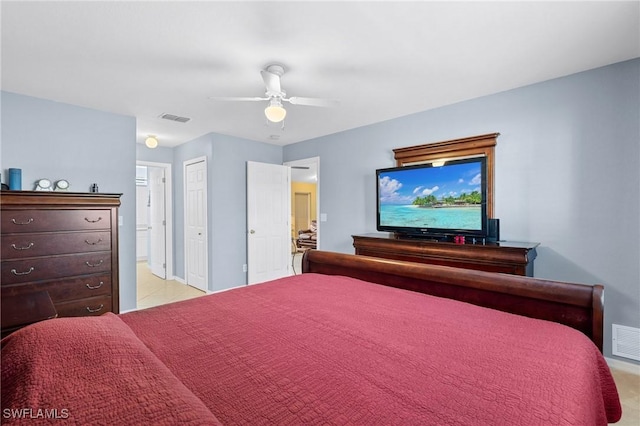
(448, 197)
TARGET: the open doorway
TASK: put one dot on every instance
(154, 237)
(305, 207)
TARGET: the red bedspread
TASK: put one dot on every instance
(91, 371)
(317, 349)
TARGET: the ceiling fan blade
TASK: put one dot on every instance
(236, 98)
(295, 100)
(272, 81)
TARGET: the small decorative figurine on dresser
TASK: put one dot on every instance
(5, 187)
(62, 185)
(15, 179)
(43, 185)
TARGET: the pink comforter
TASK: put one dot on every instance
(91, 371)
(310, 349)
(317, 349)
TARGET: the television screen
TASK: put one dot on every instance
(430, 200)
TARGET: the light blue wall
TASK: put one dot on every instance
(159, 154)
(55, 140)
(567, 175)
(226, 170)
(228, 175)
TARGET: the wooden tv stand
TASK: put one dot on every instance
(504, 256)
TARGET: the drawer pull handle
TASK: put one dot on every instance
(93, 287)
(13, 246)
(94, 243)
(22, 223)
(93, 221)
(14, 272)
(99, 308)
(93, 265)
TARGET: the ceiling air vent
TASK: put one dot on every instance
(174, 118)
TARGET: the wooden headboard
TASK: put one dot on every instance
(578, 306)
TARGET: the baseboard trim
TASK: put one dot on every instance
(625, 366)
(224, 289)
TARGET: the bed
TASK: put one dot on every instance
(431, 345)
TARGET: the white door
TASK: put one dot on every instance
(196, 223)
(157, 222)
(268, 221)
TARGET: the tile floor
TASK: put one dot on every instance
(153, 291)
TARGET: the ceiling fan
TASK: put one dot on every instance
(275, 95)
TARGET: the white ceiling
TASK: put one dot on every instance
(381, 59)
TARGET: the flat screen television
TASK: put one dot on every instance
(434, 201)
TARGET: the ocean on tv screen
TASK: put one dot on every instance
(448, 197)
(413, 216)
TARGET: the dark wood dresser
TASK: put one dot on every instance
(62, 243)
(508, 257)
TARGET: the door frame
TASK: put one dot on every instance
(185, 164)
(168, 215)
(312, 161)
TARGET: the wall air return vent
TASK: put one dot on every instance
(626, 342)
(173, 117)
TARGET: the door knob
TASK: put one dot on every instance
(252, 231)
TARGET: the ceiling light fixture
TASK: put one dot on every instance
(275, 112)
(151, 142)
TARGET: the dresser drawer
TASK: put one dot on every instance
(33, 220)
(19, 246)
(63, 244)
(84, 307)
(65, 289)
(46, 268)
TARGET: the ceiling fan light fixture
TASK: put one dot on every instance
(275, 112)
(151, 141)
